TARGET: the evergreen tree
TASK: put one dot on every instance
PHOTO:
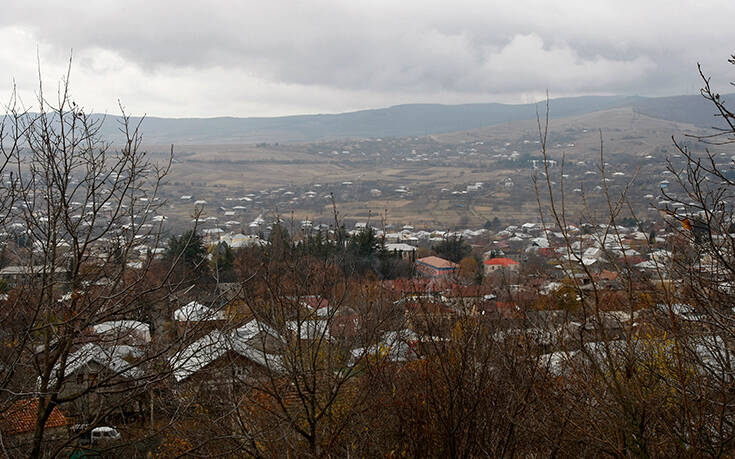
(188, 249)
(452, 248)
(223, 263)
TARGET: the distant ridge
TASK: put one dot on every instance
(404, 120)
(684, 109)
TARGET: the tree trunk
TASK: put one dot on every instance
(42, 415)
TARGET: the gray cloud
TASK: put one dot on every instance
(277, 57)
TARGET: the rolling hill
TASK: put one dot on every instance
(403, 120)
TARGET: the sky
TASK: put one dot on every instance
(270, 58)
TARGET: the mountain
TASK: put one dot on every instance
(402, 120)
(683, 109)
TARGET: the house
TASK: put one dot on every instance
(16, 275)
(709, 351)
(495, 264)
(19, 421)
(546, 252)
(238, 240)
(593, 253)
(435, 267)
(130, 332)
(197, 312)
(405, 251)
(99, 377)
(316, 304)
(224, 360)
(309, 330)
(395, 346)
(212, 235)
(607, 279)
(260, 336)
(682, 311)
(196, 319)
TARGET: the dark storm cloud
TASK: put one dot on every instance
(210, 58)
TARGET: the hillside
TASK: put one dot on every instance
(625, 130)
(402, 120)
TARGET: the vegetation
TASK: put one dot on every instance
(188, 249)
(323, 345)
(452, 248)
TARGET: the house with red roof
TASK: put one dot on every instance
(18, 422)
(495, 264)
(547, 252)
(435, 267)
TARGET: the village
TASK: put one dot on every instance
(458, 295)
(423, 182)
(532, 284)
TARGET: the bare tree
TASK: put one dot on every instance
(78, 212)
(650, 369)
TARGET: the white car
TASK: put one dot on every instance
(105, 433)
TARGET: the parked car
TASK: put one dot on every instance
(104, 433)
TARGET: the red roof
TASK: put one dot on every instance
(508, 310)
(314, 301)
(21, 417)
(607, 275)
(501, 262)
(546, 251)
(436, 262)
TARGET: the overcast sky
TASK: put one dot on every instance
(216, 58)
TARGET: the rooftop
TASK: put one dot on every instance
(501, 262)
(21, 417)
(436, 262)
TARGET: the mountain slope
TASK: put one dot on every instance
(403, 120)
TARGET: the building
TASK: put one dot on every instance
(16, 275)
(405, 251)
(96, 377)
(221, 359)
(495, 264)
(435, 267)
(19, 421)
